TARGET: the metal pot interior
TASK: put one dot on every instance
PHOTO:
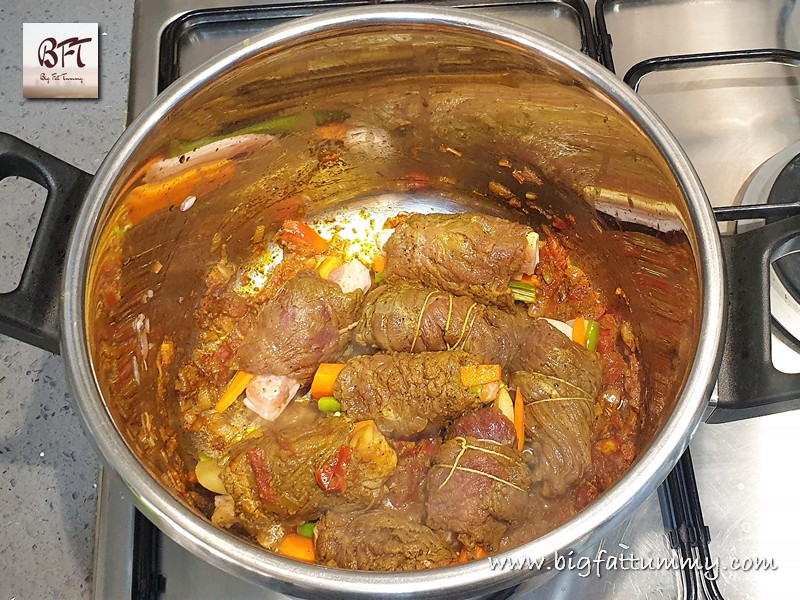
(443, 106)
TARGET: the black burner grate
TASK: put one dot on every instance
(271, 14)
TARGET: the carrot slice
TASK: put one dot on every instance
(379, 262)
(530, 280)
(148, 198)
(464, 556)
(299, 237)
(473, 375)
(519, 419)
(325, 379)
(328, 264)
(332, 131)
(579, 331)
(235, 387)
(298, 547)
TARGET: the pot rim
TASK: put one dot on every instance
(249, 561)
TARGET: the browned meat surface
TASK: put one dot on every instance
(407, 484)
(477, 489)
(544, 350)
(406, 394)
(467, 254)
(542, 515)
(404, 317)
(305, 324)
(558, 419)
(416, 470)
(484, 424)
(379, 540)
(275, 477)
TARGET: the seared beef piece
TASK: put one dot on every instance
(484, 424)
(477, 489)
(558, 419)
(407, 484)
(542, 516)
(406, 394)
(467, 254)
(379, 540)
(305, 324)
(404, 317)
(392, 313)
(544, 350)
(274, 477)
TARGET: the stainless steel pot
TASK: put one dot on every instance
(426, 80)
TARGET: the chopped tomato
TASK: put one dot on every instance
(332, 476)
(263, 475)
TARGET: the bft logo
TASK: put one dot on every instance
(60, 60)
(48, 57)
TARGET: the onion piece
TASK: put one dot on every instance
(382, 237)
(505, 404)
(530, 257)
(268, 395)
(219, 150)
(207, 472)
(352, 276)
(489, 391)
(563, 327)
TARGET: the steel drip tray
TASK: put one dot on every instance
(194, 37)
(178, 36)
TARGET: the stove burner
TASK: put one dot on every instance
(787, 189)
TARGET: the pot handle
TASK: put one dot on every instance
(749, 385)
(30, 313)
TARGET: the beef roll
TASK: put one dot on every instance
(485, 424)
(467, 254)
(407, 394)
(305, 324)
(544, 350)
(407, 317)
(559, 416)
(297, 473)
(413, 318)
(477, 490)
(379, 540)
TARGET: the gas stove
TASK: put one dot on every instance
(722, 74)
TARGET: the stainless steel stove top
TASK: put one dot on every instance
(730, 120)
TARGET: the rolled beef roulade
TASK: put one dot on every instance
(379, 540)
(412, 318)
(405, 317)
(465, 254)
(308, 322)
(409, 394)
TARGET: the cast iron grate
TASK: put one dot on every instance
(271, 14)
